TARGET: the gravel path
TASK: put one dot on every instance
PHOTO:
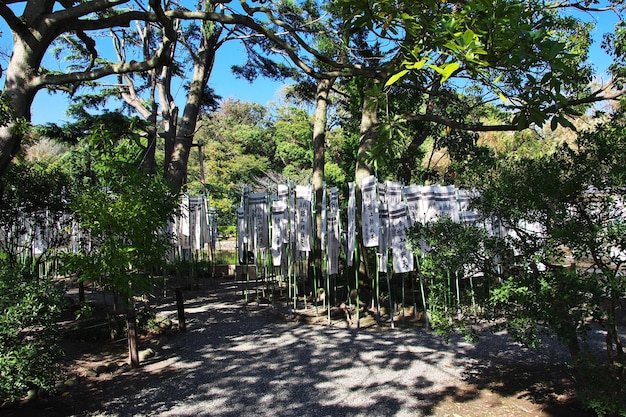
(236, 361)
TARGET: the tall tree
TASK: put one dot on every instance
(35, 30)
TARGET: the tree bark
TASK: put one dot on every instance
(319, 153)
(368, 137)
(178, 157)
(131, 323)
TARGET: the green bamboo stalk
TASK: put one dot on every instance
(327, 296)
(423, 293)
(413, 294)
(458, 296)
(391, 309)
(378, 292)
(356, 273)
(403, 295)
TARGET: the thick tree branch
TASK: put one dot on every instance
(594, 97)
(121, 68)
(90, 44)
(83, 9)
(446, 121)
(11, 19)
(74, 77)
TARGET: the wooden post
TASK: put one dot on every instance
(181, 310)
(81, 292)
(133, 353)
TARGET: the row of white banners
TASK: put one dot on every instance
(194, 228)
(388, 210)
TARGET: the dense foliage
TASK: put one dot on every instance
(32, 209)
(555, 208)
(123, 213)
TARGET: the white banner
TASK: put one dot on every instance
(447, 205)
(333, 232)
(429, 211)
(394, 192)
(413, 196)
(207, 232)
(383, 247)
(465, 214)
(402, 255)
(351, 223)
(257, 211)
(369, 213)
(279, 209)
(324, 220)
(384, 239)
(303, 217)
(213, 224)
(241, 234)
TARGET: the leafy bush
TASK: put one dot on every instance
(29, 352)
(123, 213)
(574, 200)
(32, 210)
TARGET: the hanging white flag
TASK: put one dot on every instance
(465, 214)
(206, 215)
(283, 195)
(324, 220)
(241, 234)
(369, 212)
(278, 214)
(303, 218)
(351, 223)
(402, 255)
(183, 224)
(384, 239)
(333, 232)
(394, 192)
(429, 209)
(213, 225)
(257, 209)
(447, 205)
(385, 235)
(197, 220)
(413, 197)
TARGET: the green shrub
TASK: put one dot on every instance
(29, 350)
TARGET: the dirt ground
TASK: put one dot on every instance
(97, 370)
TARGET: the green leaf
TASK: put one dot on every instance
(417, 65)
(446, 70)
(396, 77)
(554, 123)
(468, 37)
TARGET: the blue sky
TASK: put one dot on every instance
(51, 108)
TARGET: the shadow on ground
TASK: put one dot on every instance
(237, 359)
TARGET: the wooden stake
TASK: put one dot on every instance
(131, 322)
(181, 310)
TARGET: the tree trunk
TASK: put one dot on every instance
(19, 90)
(131, 323)
(176, 160)
(406, 164)
(369, 135)
(319, 153)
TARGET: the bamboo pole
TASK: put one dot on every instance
(423, 293)
(391, 309)
(356, 273)
(380, 255)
